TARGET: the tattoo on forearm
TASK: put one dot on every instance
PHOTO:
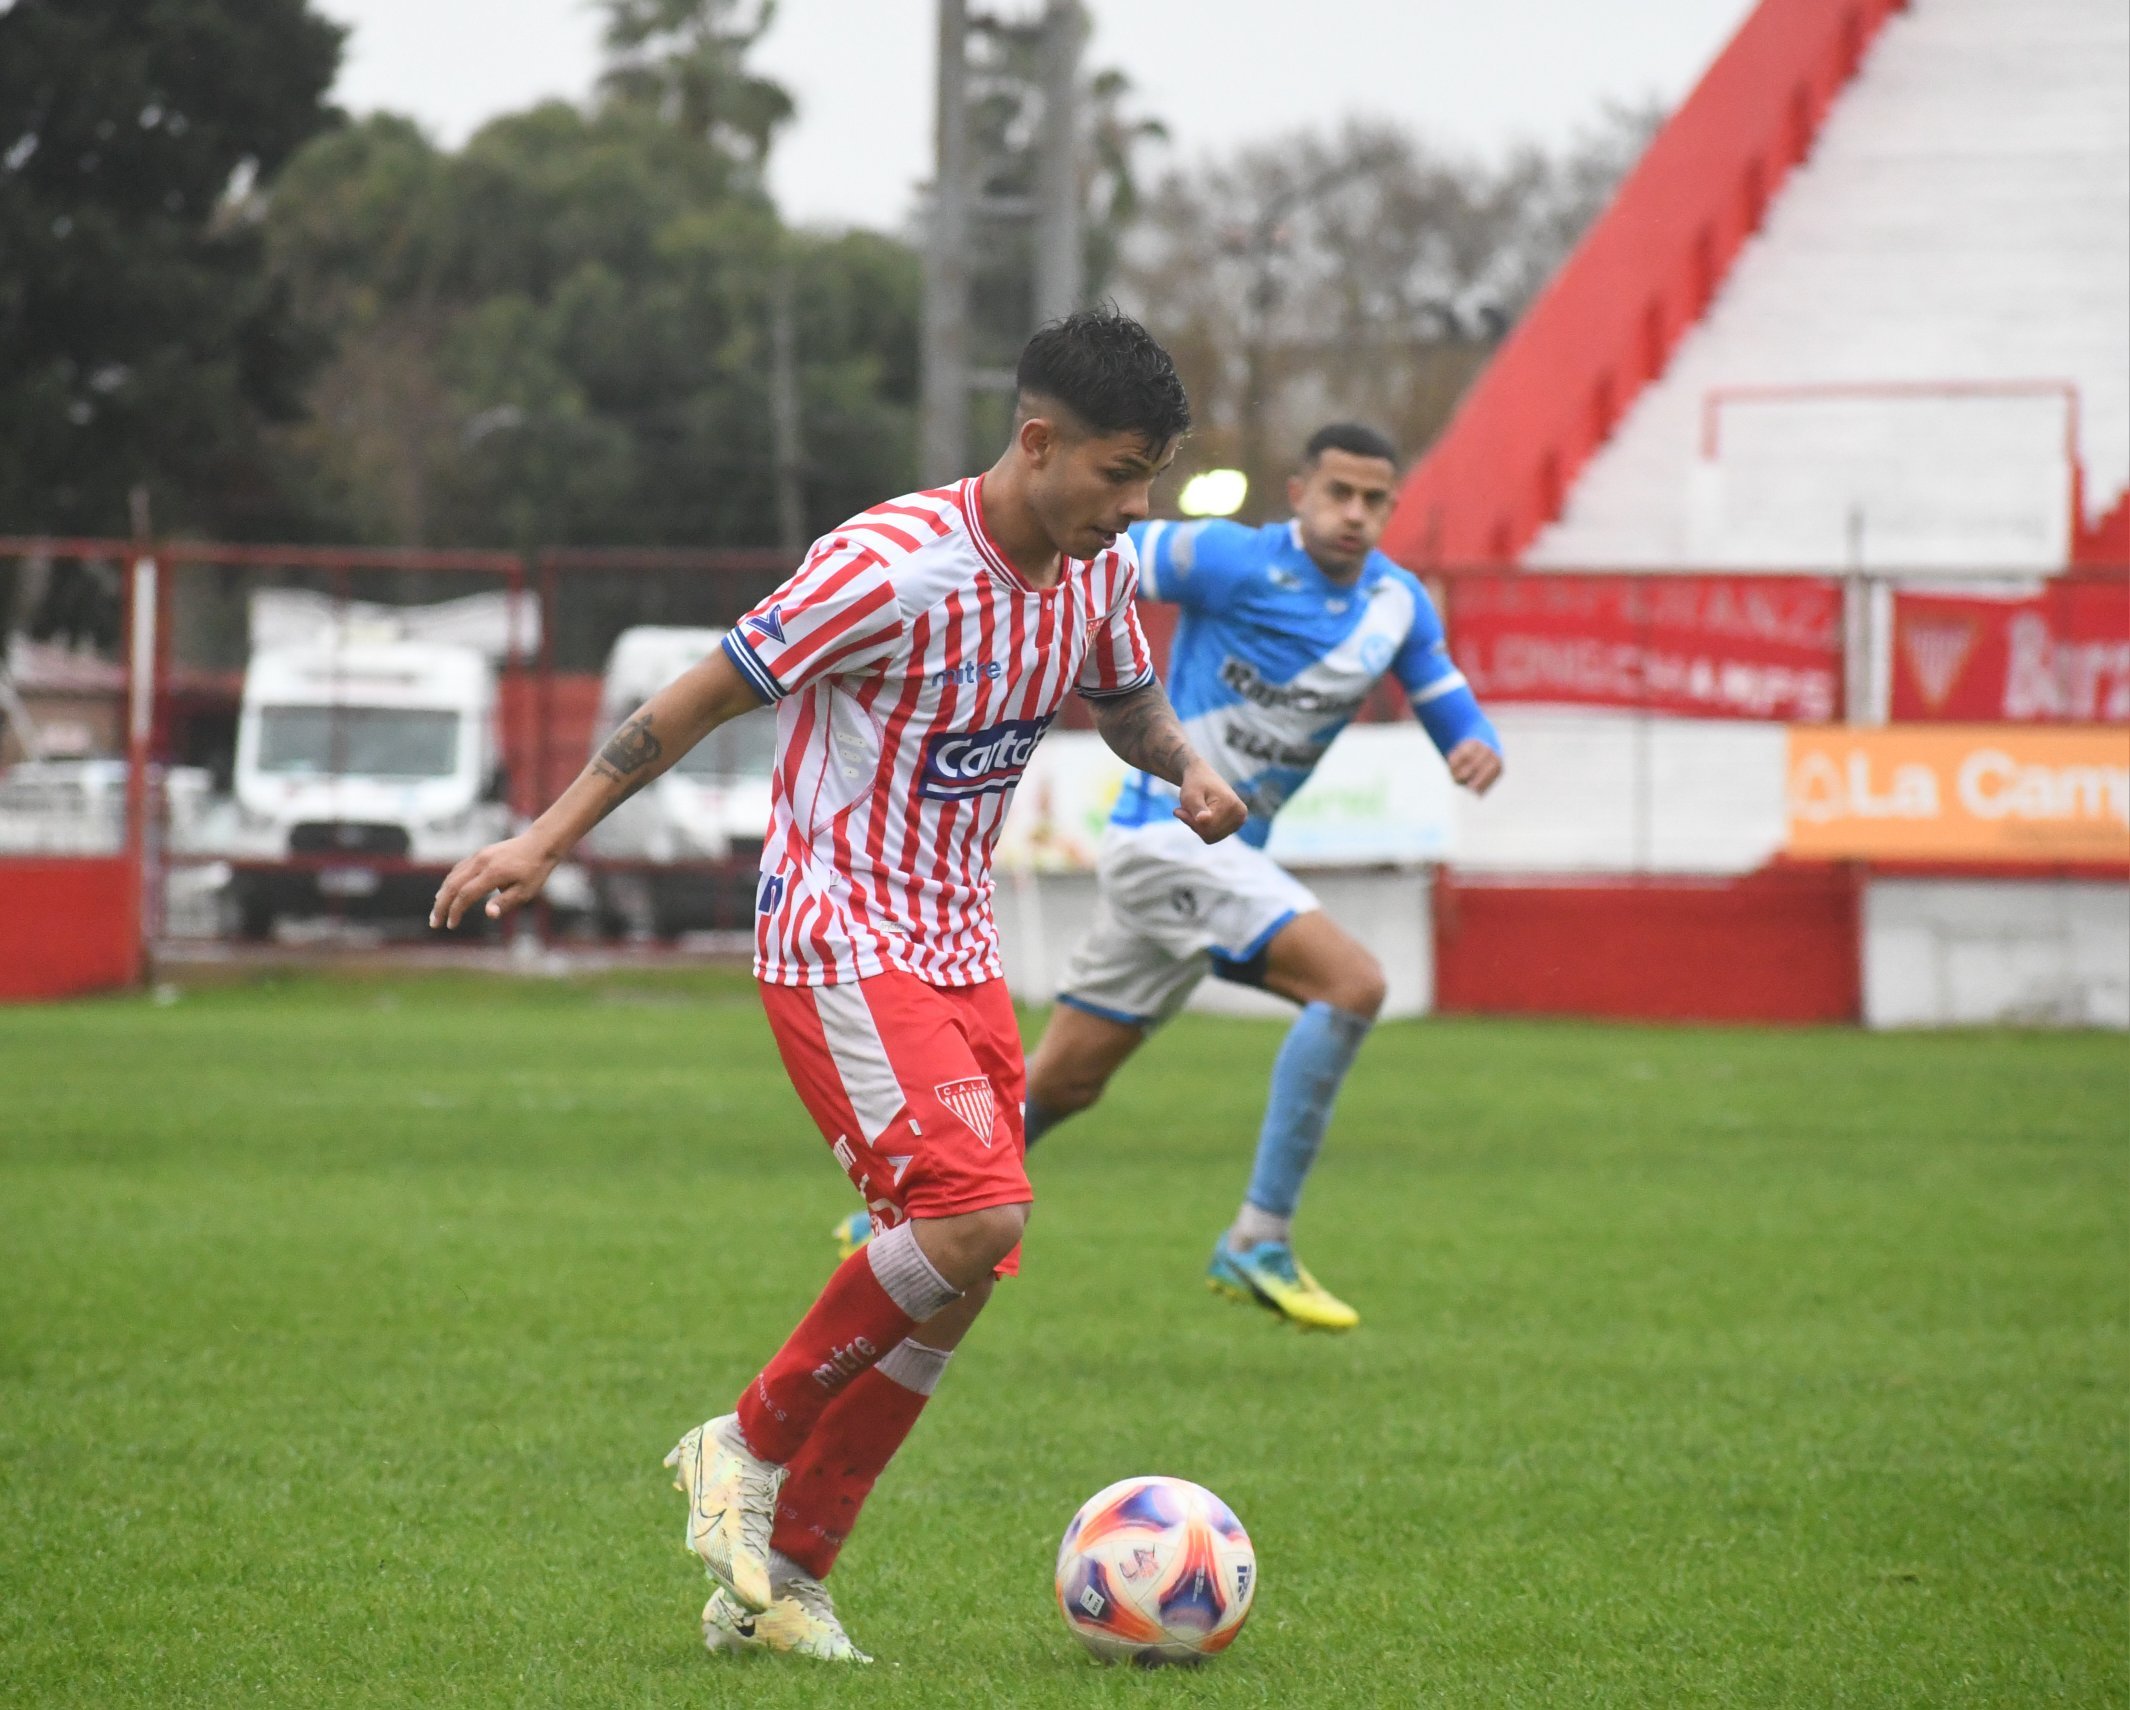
(628, 754)
(1142, 730)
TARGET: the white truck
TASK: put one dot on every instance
(660, 851)
(363, 770)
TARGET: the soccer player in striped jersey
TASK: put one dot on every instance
(914, 659)
(1285, 631)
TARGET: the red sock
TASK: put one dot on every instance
(856, 1437)
(876, 1297)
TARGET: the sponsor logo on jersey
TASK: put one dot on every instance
(769, 623)
(974, 671)
(1286, 697)
(971, 1100)
(771, 894)
(1268, 750)
(959, 764)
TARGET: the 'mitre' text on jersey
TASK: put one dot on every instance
(915, 670)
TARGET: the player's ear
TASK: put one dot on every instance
(1297, 485)
(1037, 436)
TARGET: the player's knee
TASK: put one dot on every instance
(990, 1236)
(1353, 983)
(1069, 1091)
(964, 1248)
(1364, 988)
(998, 1230)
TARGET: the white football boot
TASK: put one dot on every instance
(802, 1621)
(732, 1506)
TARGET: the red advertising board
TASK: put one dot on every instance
(1763, 647)
(2056, 654)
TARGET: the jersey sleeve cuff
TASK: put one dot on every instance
(1146, 538)
(1451, 714)
(1447, 684)
(1132, 688)
(750, 666)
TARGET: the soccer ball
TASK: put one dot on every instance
(1156, 1570)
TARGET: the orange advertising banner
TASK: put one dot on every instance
(1964, 792)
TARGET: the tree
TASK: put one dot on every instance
(1117, 137)
(1361, 274)
(142, 342)
(685, 60)
(1006, 135)
(565, 331)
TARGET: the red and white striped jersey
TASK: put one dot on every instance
(914, 670)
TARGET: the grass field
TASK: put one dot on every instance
(342, 1328)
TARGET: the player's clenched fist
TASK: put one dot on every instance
(1209, 806)
(1475, 765)
(509, 874)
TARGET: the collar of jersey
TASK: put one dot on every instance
(1300, 554)
(972, 506)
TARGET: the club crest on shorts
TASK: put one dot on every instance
(970, 1100)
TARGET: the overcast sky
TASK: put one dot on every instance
(1473, 74)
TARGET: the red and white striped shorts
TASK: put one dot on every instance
(917, 1089)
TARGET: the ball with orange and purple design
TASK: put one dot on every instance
(1155, 1570)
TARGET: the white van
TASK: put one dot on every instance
(712, 806)
(361, 757)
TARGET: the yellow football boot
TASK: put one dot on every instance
(1272, 1276)
(851, 1233)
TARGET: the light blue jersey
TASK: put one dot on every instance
(1273, 659)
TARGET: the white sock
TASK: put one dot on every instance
(1253, 1225)
(914, 1365)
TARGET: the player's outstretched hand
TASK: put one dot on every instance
(509, 874)
(1474, 765)
(1209, 807)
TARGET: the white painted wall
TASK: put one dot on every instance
(1589, 790)
(1946, 952)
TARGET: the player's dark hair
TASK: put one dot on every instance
(1351, 438)
(1108, 371)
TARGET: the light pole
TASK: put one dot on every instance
(943, 436)
(1052, 210)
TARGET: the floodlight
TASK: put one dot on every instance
(1214, 493)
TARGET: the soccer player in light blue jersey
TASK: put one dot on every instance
(1284, 632)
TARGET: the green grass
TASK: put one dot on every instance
(342, 1328)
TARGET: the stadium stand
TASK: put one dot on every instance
(1861, 306)
(1956, 251)
(1938, 202)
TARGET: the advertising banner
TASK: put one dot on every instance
(1981, 793)
(1763, 647)
(1382, 795)
(2055, 652)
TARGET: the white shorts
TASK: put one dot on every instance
(1167, 907)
